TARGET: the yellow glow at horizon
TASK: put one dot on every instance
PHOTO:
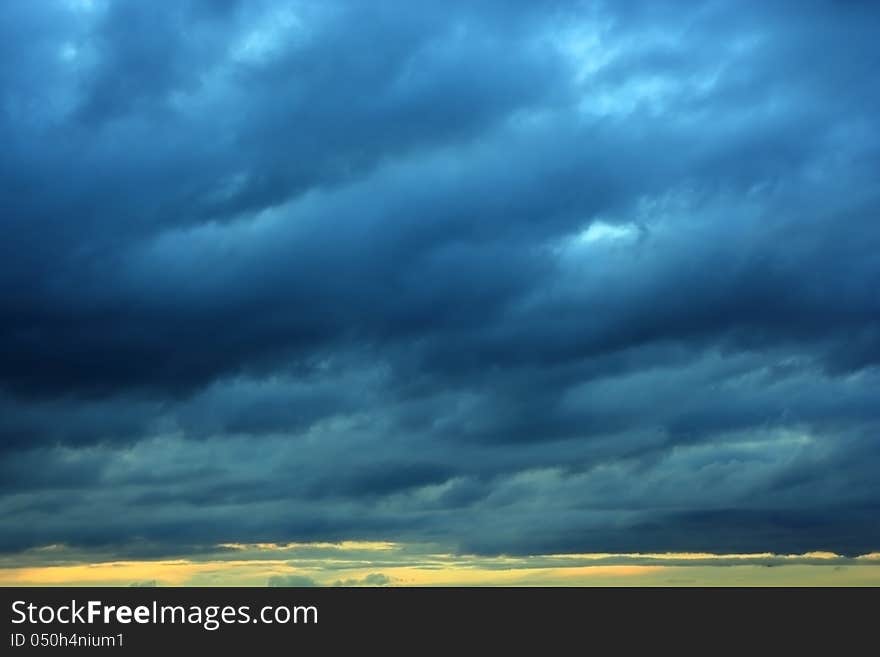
(257, 572)
(326, 563)
(180, 572)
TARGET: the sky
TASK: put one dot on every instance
(461, 292)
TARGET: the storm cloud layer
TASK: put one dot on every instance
(507, 277)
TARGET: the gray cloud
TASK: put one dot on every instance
(292, 580)
(373, 579)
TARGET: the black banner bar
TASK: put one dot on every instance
(267, 620)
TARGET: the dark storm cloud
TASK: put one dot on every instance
(511, 278)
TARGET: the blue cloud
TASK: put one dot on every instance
(508, 278)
